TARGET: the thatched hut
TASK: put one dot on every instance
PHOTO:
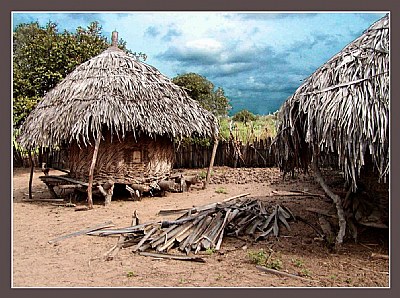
(134, 110)
(342, 110)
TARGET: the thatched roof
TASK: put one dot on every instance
(114, 90)
(342, 109)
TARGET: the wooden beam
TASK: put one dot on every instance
(43, 200)
(214, 151)
(91, 171)
(85, 231)
(172, 257)
(57, 180)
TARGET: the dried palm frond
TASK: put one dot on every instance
(342, 109)
(116, 91)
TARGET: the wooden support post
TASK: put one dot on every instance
(91, 171)
(214, 151)
(335, 198)
(107, 191)
(31, 175)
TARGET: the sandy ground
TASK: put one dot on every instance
(79, 261)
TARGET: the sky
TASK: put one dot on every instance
(258, 58)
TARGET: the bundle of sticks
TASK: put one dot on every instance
(204, 227)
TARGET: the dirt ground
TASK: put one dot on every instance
(79, 261)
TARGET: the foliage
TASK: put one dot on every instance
(203, 175)
(261, 128)
(43, 56)
(202, 90)
(221, 190)
(258, 257)
(210, 251)
(305, 272)
(131, 274)
(207, 142)
(244, 116)
(262, 259)
(298, 263)
(274, 263)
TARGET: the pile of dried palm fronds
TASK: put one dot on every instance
(203, 228)
(342, 109)
(116, 91)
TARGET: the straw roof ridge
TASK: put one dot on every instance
(342, 108)
(116, 91)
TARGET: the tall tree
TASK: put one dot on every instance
(202, 90)
(43, 56)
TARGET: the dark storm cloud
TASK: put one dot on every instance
(188, 57)
(152, 31)
(261, 102)
(316, 39)
(328, 40)
(308, 54)
(267, 83)
(227, 61)
(257, 73)
(172, 32)
(227, 70)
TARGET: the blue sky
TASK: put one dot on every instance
(258, 58)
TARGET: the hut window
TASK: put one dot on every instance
(137, 156)
(134, 156)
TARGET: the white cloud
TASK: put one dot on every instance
(204, 44)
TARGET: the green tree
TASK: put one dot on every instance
(244, 116)
(202, 90)
(43, 56)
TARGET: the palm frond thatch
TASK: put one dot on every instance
(343, 109)
(114, 90)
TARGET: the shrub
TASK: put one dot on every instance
(244, 116)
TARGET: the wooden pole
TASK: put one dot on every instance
(214, 151)
(91, 171)
(31, 175)
(335, 198)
